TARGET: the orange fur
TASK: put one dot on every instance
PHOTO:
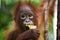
(40, 15)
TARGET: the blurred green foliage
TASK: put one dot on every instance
(5, 14)
(50, 29)
(6, 11)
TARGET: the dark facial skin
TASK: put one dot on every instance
(26, 17)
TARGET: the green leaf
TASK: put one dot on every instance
(36, 2)
(7, 2)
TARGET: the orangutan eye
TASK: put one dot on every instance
(22, 16)
(30, 16)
